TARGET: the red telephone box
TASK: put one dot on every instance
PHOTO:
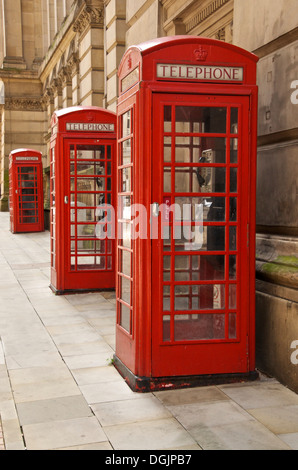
(82, 199)
(187, 116)
(26, 191)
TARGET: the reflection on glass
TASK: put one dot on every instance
(233, 238)
(90, 152)
(232, 296)
(125, 180)
(126, 152)
(125, 317)
(167, 179)
(166, 336)
(234, 150)
(89, 169)
(91, 262)
(167, 118)
(189, 297)
(211, 238)
(233, 180)
(198, 209)
(124, 207)
(125, 260)
(127, 123)
(197, 267)
(167, 149)
(233, 209)
(200, 179)
(232, 267)
(125, 289)
(232, 326)
(166, 298)
(234, 120)
(201, 119)
(187, 149)
(199, 327)
(167, 268)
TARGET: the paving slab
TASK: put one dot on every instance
(55, 409)
(158, 434)
(63, 433)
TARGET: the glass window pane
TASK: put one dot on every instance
(234, 120)
(199, 327)
(232, 296)
(234, 151)
(187, 149)
(199, 238)
(167, 268)
(232, 267)
(167, 149)
(125, 317)
(125, 262)
(91, 152)
(127, 123)
(125, 180)
(126, 152)
(201, 119)
(209, 296)
(125, 289)
(166, 336)
(232, 326)
(233, 180)
(167, 180)
(167, 118)
(200, 179)
(166, 298)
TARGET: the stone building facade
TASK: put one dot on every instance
(60, 53)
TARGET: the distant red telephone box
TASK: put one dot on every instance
(83, 146)
(187, 115)
(26, 191)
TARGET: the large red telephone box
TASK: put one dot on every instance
(187, 115)
(26, 191)
(82, 199)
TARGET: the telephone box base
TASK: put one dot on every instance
(153, 384)
(78, 291)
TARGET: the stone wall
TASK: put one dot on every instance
(270, 30)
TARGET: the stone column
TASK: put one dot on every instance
(115, 30)
(12, 34)
(89, 28)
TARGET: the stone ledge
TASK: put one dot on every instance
(277, 260)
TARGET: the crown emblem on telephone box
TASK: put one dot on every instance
(201, 54)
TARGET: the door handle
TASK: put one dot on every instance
(65, 199)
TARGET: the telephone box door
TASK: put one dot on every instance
(200, 314)
(88, 201)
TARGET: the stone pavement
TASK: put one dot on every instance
(58, 389)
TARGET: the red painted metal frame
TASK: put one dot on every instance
(136, 357)
(66, 278)
(26, 161)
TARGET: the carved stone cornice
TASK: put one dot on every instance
(73, 63)
(205, 13)
(48, 96)
(90, 16)
(24, 104)
(65, 74)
